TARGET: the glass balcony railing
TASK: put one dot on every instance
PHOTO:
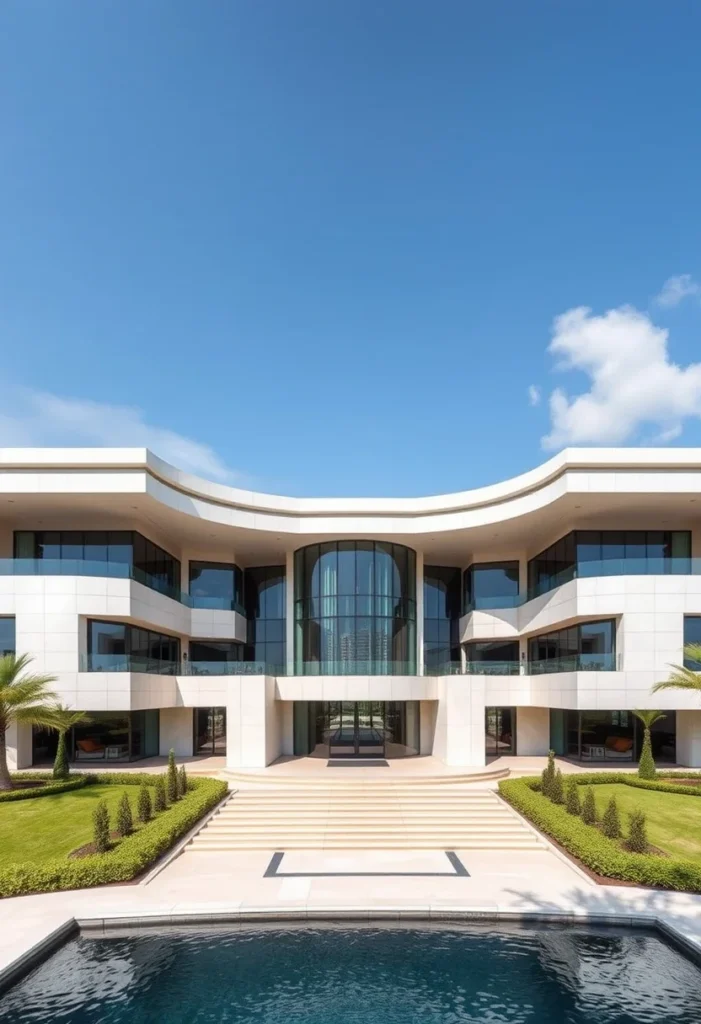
(617, 567)
(356, 668)
(228, 668)
(494, 668)
(576, 663)
(128, 663)
(112, 570)
(488, 602)
(447, 668)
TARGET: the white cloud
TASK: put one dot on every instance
(632, 382)
(533, 394)
(677, 288)
(37, 418)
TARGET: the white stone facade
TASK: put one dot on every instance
(130, 489)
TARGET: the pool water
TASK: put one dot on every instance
(346, 975)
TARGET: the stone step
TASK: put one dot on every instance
(379, 842)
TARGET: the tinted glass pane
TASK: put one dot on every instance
(48, 545)
(106, 637)
(25, 544)
(7, 636)
(588, 546)
(211, 579)
(95, 546)
(120, 547)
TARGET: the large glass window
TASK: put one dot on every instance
(590, 646)
(493, 657)
(613, 736)
(265, 614)
(138, 555)
(609, 553)
(121, 647)
(692, 635)
(441, 617)
(216, 585)
(355, 609)
(7, 635)
(491, 585)
(106, 737)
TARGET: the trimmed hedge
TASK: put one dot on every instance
(602, 855)
(52, 786)
(663, 783)
(131, 856)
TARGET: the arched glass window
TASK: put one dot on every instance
(355, 609)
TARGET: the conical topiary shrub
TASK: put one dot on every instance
(573, 802)
(646, 764)
(125, 821)
(143, 806)
(611, 821)
(637, 834)
(548, 776)
(557, 792)
(172, 778)
(159, 795)
(101, 827)
(182, 781)
(589, 807)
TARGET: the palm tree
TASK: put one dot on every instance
(683, 678)
(646, 764)
(64, 720)
(25, 699)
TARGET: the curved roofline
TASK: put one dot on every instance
(570, 459)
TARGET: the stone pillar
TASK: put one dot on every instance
(532, 731)
(19, 746)
(689, 738)
(176, 731)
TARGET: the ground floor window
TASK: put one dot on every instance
(609, 735)
(500, 731)
(106, 737)
(210, 731)
(344, 729)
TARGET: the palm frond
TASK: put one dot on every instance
(682, 678)
(648, 718)
(65, 717)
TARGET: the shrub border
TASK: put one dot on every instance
(586, 843)
(662, 784)
(52, 786)
(132, 855)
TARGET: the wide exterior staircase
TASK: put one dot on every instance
(365, 816)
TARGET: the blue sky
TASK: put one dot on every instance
(320, 248)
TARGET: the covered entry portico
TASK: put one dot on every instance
(357, 729)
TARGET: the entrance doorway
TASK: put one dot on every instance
(356, 728)
(500, 731)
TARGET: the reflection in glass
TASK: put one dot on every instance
(491, 585)
(500, 731)
(441, 616)
(355, 609)
(349, 729)
(210, 731)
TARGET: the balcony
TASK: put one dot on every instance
(615, 567)
(154, 666)
(112, 570)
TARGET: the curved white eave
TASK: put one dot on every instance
(593, 459)
(582, 470)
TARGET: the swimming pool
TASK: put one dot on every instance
(339, 974)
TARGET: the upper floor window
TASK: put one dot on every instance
(216, 585)
(585, 553)
(121, 548)
(588, 646)
(119, 646)
(441, 615)
(7, 636)
(265, 587)
(491, 585)
(692, 635)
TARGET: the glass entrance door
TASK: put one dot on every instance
(500, 731)
(370, 728)
(356, 729)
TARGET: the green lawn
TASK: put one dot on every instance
(673, 820)
(51, 826)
